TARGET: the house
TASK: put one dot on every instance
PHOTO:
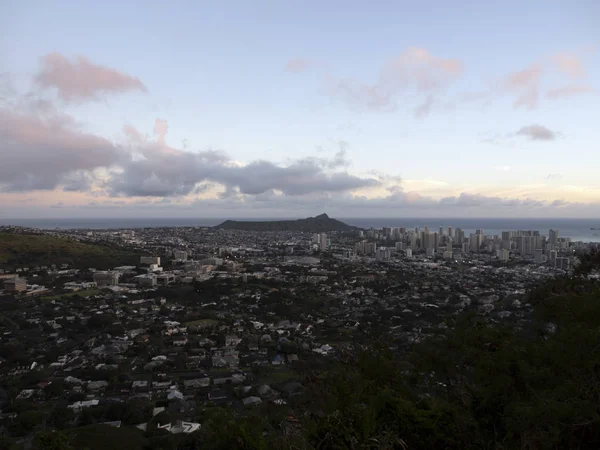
(197, 383)
(250, 401)
(180, 342)
(84, 404)
(218, 395)
(278, 360)
(232, 340)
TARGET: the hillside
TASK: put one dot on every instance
(33, 249)
(316, 224)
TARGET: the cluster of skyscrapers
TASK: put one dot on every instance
(449, 242)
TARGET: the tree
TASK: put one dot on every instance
(52, 440)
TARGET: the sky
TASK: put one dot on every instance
(290, 109)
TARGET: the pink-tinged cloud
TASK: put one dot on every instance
(299, 65)
(569, 64)
(569, 91)
(415, 70)
(80, 79)
(526, 85)
(425, 108)
(42, 150)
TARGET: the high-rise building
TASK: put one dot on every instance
(409, 253)
(323, 242)
(503, 255)
(553, 238)
(476, 241)
(383, 254)
(538, 256)
(450, 232)
(552, 258)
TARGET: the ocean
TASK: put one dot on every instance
(576, 229)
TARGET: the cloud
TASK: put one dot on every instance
(415, 71)
(155, 169)
(569, 64)
(470, 200)
(80, 80)
(537, 133)
(42, 149)
(569, 91)
(425, 108)
(554, 176)
(525, 84)
(299, 65)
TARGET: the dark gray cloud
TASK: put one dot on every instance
(153, 169)
(167, 172)
(537, 133)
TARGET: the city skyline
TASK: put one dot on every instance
(265, 110)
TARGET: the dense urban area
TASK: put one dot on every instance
(197, 337)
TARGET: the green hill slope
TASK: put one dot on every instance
(31, 249)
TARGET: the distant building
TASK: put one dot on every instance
(409, 252)
(323, 242)
(180, 255)
(465, 247)
(16, 284)
(149, 260)
(383, 254)
(165, 279)
(109, 278)
(553, 239)
(562, 263)
(539, 256)
(475, 242)
(146, 280)
(552, 258)
(503, 255)
(448, 254)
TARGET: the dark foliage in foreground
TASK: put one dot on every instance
(475, 386)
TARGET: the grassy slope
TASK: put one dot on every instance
(23, 249)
